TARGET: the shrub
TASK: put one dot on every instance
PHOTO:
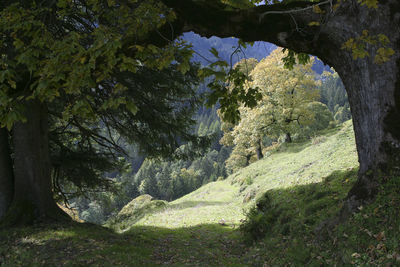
(259, 218)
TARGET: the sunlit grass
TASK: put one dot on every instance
(293, 165)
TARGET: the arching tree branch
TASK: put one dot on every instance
(286, 25)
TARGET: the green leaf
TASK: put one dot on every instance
(214, 52)
(131, 107)
(184, 67)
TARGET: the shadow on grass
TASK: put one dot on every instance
(79, 244)
(299, 208)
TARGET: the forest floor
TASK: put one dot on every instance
(306, 184)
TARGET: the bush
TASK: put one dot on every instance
(259, 218)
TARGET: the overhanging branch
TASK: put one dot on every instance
(287, 25)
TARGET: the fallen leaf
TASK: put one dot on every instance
(380, 236)
(356, 255)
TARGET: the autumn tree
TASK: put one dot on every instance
(286, 95)
(359, 39)
(286, 108)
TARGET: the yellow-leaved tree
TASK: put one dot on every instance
(287, 108)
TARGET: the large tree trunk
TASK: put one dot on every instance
(6, 173)
(373, 89)
(374, 96)
(33, 197)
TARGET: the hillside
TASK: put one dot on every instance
(305, 184)
(292, 165)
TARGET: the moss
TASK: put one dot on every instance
(20, 213)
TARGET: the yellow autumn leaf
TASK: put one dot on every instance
(383, 55)
(349, 44)
(314, 23)
(369, 3)
(336, 6)
(383, 39)
(318, 10)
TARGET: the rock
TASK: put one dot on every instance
(222, 222)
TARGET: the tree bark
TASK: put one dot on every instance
(6, 173)
(373, 89)
(33, 197)
(259, 150)
(248, 157)
(288, 138)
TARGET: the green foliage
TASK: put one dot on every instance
(166, 179)
(290, 59)
(230, 87)
(106, 80)
(323, 119)
(342, 114)
(334, 95)
(170, 180)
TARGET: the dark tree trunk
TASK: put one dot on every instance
(259, 150)
(6, 173)
(33, 197)
(374, 97)
(288, 138)
(248, 157)
(373, 89)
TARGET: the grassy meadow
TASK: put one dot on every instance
(263, 215)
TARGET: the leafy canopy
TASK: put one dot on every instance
(106, 71)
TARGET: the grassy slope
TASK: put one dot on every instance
(305, 185)
(294, 165)
(297, 164)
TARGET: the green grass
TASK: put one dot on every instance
(293, 165)
(277, 202)
(71, 245)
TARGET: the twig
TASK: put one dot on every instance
(293, 10)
